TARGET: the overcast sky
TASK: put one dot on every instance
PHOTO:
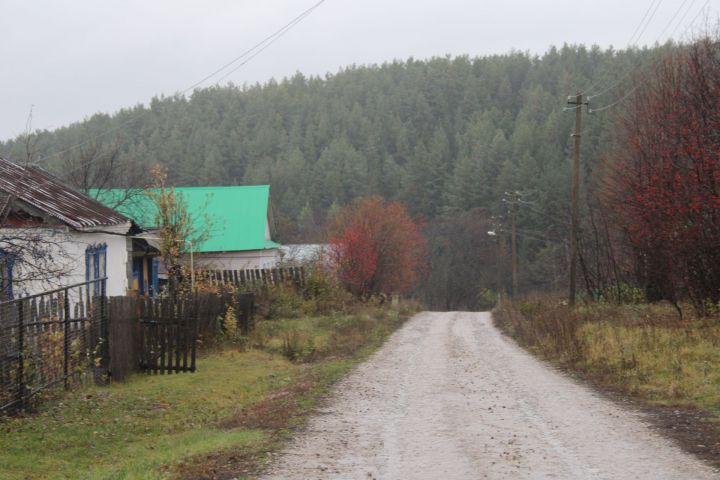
(74, 58)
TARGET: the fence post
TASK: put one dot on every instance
(66, 337)
(101, 373)
(21, 355)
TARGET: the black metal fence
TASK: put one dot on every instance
(56, 338)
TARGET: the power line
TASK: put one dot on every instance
(279, 34)
(636, 87)
(632, 37)
(637, 29)
(260, 46)
(606, 107)
(631, 71)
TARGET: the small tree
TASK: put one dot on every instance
(94, 167)
(376, 247)
(176, 228)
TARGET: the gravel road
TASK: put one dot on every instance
(449, 397)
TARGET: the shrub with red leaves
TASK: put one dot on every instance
(663, 180)
(376, 247)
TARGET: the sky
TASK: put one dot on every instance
(69, 60)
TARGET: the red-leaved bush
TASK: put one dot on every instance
(663, 180)
(376, 247)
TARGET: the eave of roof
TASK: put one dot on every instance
(48, 194)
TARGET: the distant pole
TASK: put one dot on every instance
(513, 241)
(578, 103)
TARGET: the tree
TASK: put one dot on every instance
(464, 259)
(376, 247)
(443, 135)
(663, 180)
(94, 166)
(177, 230)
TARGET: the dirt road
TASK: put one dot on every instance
(449, 397)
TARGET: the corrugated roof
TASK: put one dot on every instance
(237, 215)
(38, 188)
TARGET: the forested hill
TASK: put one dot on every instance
(441, 135)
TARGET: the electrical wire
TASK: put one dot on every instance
(637, 86)
(257, 49)
(262, 45)
(631, 71)
(631, 39)
(624, 97)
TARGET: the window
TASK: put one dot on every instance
(6, 271)
(96, 266)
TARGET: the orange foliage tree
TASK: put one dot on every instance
(376, 247)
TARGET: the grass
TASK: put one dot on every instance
(641, 350)
(216, 423)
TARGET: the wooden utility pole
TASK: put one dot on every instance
(578, 104)
(512, 199)
(513, 241)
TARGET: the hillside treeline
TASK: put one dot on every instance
(445, 136)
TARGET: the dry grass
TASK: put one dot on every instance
(643, 350)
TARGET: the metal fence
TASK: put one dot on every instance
(53, 339)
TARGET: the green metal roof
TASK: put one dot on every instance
(238, 216)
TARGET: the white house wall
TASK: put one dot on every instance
(238, 260)
(68, 253)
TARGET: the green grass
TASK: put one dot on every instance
(152, 427)
(129, 430)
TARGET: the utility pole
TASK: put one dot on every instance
(513, 241)
(577, 105)
(512, 199)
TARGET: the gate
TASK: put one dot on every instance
(168, 336)
(158, 336)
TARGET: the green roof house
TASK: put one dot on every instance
(237, 220)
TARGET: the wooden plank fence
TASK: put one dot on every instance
(251, 279)
(159, 337)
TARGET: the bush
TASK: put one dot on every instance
(486, 299)
(624, 294)
(297, 345)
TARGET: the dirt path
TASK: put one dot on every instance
(448, 397)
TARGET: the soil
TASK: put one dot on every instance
(449, 396)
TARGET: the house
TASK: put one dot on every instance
(52, 236)
(236, 218)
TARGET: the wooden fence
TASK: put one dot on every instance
(158, 336)
(251, 279)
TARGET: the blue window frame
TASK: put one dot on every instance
(96, 265)
(6, 276)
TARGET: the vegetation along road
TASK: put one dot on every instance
(450, 397)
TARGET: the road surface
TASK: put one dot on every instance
(449, 397)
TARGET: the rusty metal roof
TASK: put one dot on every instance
(48, 194)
